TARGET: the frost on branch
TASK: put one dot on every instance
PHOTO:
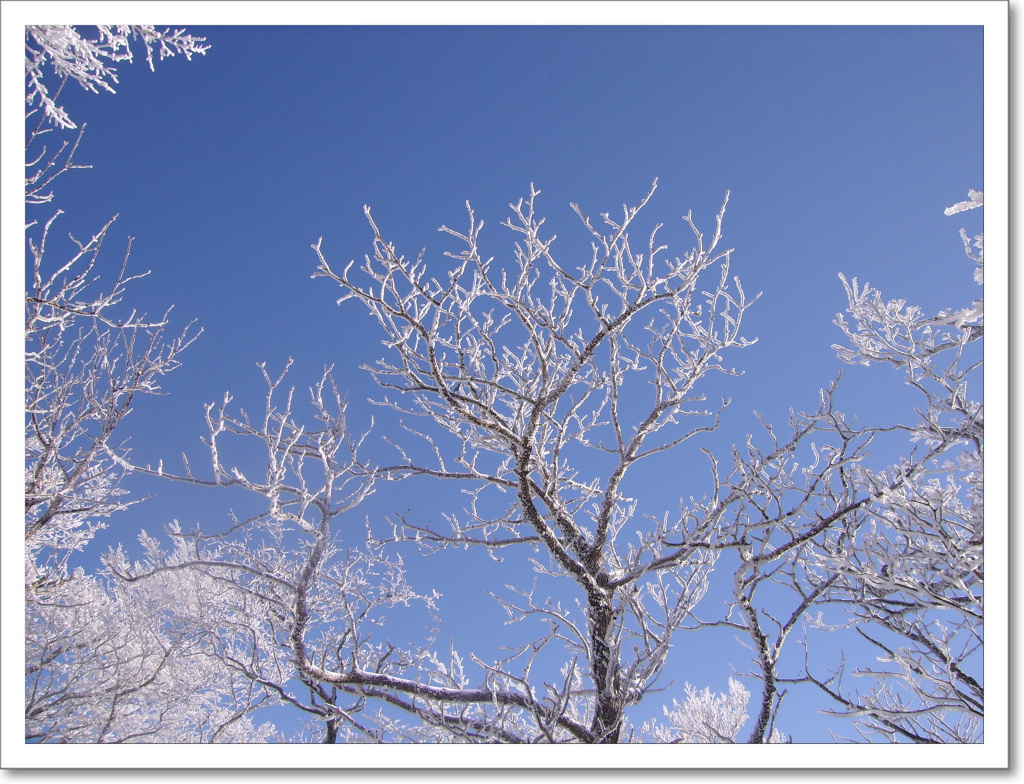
(73, 56)
(705, 717)
(99, 662)
(111, 662)
(291, 609)
(85, 60)
(912, 567)
(974, 199)
(977, 199)
(933, 351)
(87, 361)
(555, 382)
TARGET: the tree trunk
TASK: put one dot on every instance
(607, 721)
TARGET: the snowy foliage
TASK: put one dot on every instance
(705, 717)
(94, 657)
(108, 662)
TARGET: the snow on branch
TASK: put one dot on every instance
(85, 60)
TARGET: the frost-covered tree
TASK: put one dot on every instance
(86, 362)
(111, 662)
(291, 603)
(87, 355)
(539, 389)
(535, 370)
(910, 564)
(890, 555)
(92, 650)
(553, 384)
(529, 367)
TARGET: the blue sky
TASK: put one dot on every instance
(840, 145)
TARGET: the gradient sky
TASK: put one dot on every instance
(841, 147)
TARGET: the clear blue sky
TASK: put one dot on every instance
(841, 147)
